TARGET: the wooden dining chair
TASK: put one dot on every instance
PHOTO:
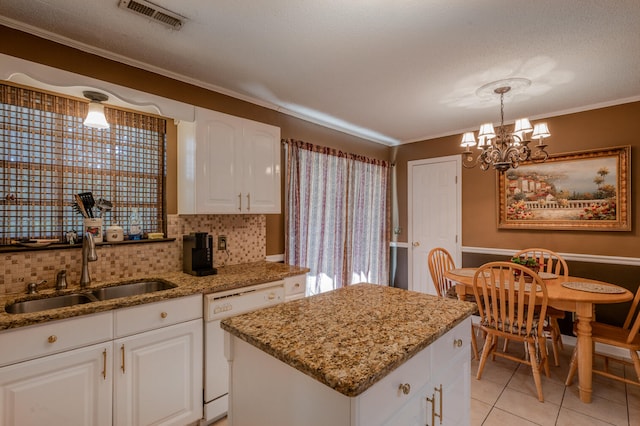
(550, 262)
(441, 261)
(513, 309)
(625, 337)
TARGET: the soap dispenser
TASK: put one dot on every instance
(135, 226)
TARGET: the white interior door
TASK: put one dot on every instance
(434, 216)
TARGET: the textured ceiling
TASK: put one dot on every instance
(390, 71)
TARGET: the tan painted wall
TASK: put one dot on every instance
(600, 128)
(607, 127)
(42, 51)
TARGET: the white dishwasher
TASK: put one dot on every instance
(218, 306)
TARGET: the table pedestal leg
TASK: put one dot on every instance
(585, 351)
(461, 291)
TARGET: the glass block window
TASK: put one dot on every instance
(47, 155)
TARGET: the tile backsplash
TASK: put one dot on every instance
(246, 242)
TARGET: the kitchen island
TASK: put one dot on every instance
(361, 355)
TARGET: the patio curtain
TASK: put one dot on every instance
(337, 216)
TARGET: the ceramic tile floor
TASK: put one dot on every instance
(506, 395)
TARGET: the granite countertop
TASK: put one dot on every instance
(352, 337)
(228, 278)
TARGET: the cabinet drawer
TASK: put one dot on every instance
(44, 339)
(384, 398)
(295, 285)
(154, 315)
(451, 343)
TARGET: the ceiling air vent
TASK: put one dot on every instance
(153, 12)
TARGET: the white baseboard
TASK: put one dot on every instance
(601, 348)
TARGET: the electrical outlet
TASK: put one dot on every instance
(222, 242)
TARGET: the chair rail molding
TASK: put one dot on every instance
(592, 258)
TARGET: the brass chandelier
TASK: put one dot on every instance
(504, 150)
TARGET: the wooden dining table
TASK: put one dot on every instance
(580, 301)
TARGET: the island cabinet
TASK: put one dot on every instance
(394, 358)
(445, 398)
(228, 164)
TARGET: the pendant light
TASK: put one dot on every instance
(95, 117)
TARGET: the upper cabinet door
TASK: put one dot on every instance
(261, 162)
(218, 171)
(228, 165)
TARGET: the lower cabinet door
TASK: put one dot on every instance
(455, 394)
(69, 388)
(158, 376)
(413, 413)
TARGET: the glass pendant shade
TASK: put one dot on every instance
(95, 117)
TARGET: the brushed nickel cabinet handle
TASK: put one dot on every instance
(122, 355)
(248, 202)
(240, 201)
(405, 388)
(441, 413)
(104, 364)
(432, 400)
(52, 339)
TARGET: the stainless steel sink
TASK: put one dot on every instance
(54, 302)
(131, 289)
(105, 293)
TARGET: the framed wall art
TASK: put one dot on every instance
(587, 190)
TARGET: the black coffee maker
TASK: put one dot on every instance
(197, 254)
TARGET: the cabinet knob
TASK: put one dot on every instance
(163, 315)
(52, 339)
(405, 388)
(416, 244)
(457, 343)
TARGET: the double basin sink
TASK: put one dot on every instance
(97, 295)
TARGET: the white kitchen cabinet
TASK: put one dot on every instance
(158, 373)
(295, 287)
(228, 165)
(55, 373)
(159, 376)
(267, 391)
(73, 372)
(446, 397)
(451, 367)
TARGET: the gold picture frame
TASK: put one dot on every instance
(587, 190)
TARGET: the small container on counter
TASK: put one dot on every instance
(94, 227)
(115, 233)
